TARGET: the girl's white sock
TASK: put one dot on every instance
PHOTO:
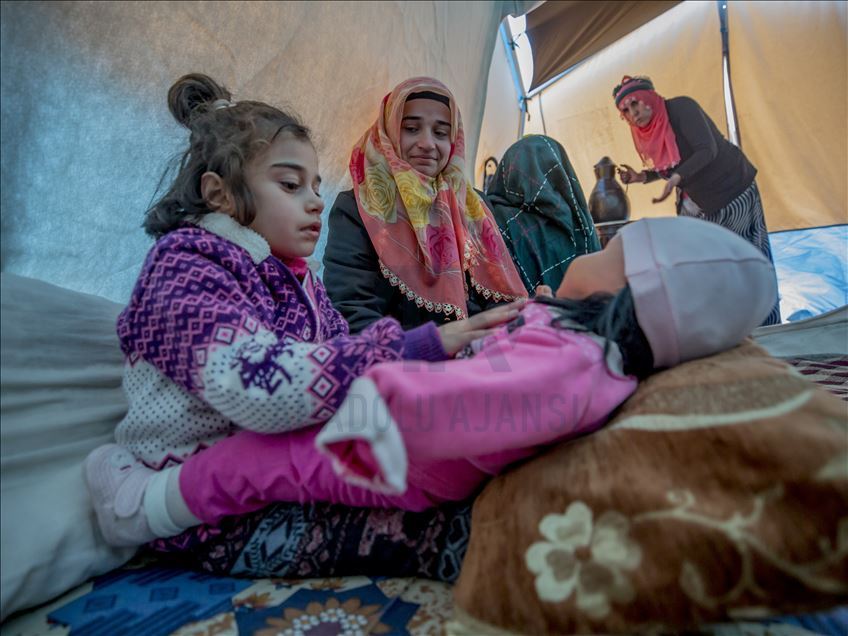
(156, 505)
(176, 505)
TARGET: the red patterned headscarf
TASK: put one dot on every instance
(655, 143)
(428, 232)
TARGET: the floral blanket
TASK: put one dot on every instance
(718, 492)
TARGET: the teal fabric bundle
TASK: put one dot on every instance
(541, 210)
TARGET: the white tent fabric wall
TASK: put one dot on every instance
(86, 131)
(798, 49)
(501, 121)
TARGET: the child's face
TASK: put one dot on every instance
(593, 273)
(284, 182)
(425, 133)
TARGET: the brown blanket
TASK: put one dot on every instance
(718, 491)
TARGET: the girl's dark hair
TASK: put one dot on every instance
(224, 138)
(614, 318)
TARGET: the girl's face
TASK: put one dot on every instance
(637, 113)
(594, 273)
(425, 132)
(284, 182)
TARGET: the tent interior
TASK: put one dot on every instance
(86, 109)
(800, 154)
(86, 137)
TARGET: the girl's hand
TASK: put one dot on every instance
(629, 175)
(456, 335)
(544, 290)
(670, 185)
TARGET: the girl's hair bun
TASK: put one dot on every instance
(194, 93)
(222, 140)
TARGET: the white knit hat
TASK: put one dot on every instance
(698, 288)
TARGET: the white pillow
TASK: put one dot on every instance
(60, 397)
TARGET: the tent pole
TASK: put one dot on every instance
(725, 58)
(516, 78)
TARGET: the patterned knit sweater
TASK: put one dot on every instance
(220, 334)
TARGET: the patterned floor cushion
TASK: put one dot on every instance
(718, 492)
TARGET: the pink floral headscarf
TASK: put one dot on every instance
(656, 142)
(428, 232)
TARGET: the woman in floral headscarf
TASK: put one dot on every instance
(413, 239)
(677, 141)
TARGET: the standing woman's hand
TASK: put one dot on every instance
(629, 175)
(670, 185)
(456, 335)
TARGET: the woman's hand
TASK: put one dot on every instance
(629, 175)
(670, 185)
(544, 290)
(456, 335)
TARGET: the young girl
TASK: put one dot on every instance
(413, 434)
(226, 328)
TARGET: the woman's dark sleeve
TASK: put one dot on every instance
(693, 125)
(351, 269)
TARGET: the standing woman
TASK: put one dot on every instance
(678, 142)
(413, 239)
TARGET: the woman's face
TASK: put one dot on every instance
(638, 113)
(425, 133)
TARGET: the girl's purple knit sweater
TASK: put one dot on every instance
(221, 334)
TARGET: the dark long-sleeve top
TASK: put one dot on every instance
(353, 280)
(713, 171)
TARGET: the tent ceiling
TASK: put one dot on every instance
(565, 32)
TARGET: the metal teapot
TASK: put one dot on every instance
(608, 201)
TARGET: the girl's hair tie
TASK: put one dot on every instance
(222, 103)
